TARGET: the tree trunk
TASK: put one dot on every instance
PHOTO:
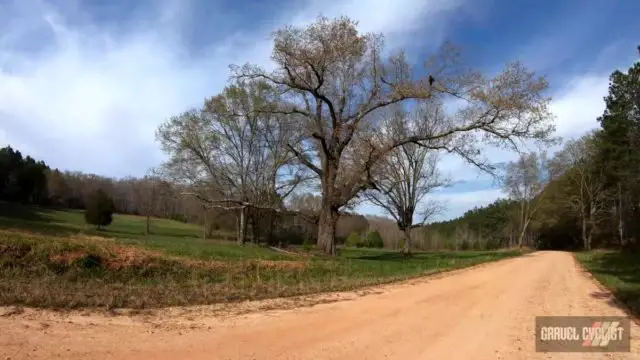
(523, 230)
(620, 216)
(242, 226)
(327, 229)
(521, 236)
(585, 240)
(329, 210)
(406, 249)
(511, 238)
(204, 226)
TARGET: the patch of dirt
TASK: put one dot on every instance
(248, 264)
(68, 257)
(283, 264)
(117, 257)
(11, 311)
(82, 238)
(127, 256)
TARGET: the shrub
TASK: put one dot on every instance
(354, 239)
(374, 240)
(100, 209)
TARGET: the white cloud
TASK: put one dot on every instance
(93, 99)
(579, 104)
(394, 18)
(458, 203)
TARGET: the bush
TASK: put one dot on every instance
(100, 209)
(374, 240)
(354, 239)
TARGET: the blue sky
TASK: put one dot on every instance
(84, 84)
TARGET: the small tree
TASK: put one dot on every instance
(354, 239)
(374, 240)
(100, 209)
(408, 173)
(525, 182)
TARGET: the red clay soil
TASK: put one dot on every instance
(482, 313)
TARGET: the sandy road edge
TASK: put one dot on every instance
(612, 298)
(185, 316)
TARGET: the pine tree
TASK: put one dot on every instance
(619, 143)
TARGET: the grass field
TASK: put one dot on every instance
(618, 271)
(171, 237)
(49, 258)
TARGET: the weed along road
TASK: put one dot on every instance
(485, 312)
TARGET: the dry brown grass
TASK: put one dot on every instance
(93, 271)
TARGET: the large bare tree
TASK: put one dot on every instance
(336, 80)
(231, 154)
(525, 181)
(408, 173)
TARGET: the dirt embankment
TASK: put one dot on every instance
(482, 313)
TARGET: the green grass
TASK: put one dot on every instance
(169, 236)
(618, 271)
(49, 258)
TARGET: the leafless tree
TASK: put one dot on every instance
(335, 80)
(58, 188)
(525, 180)
(408, 173)
(587, 195)
(232, 154)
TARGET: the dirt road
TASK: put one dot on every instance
(482, 313)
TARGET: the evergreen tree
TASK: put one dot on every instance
(619, 142)
(100, 209)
